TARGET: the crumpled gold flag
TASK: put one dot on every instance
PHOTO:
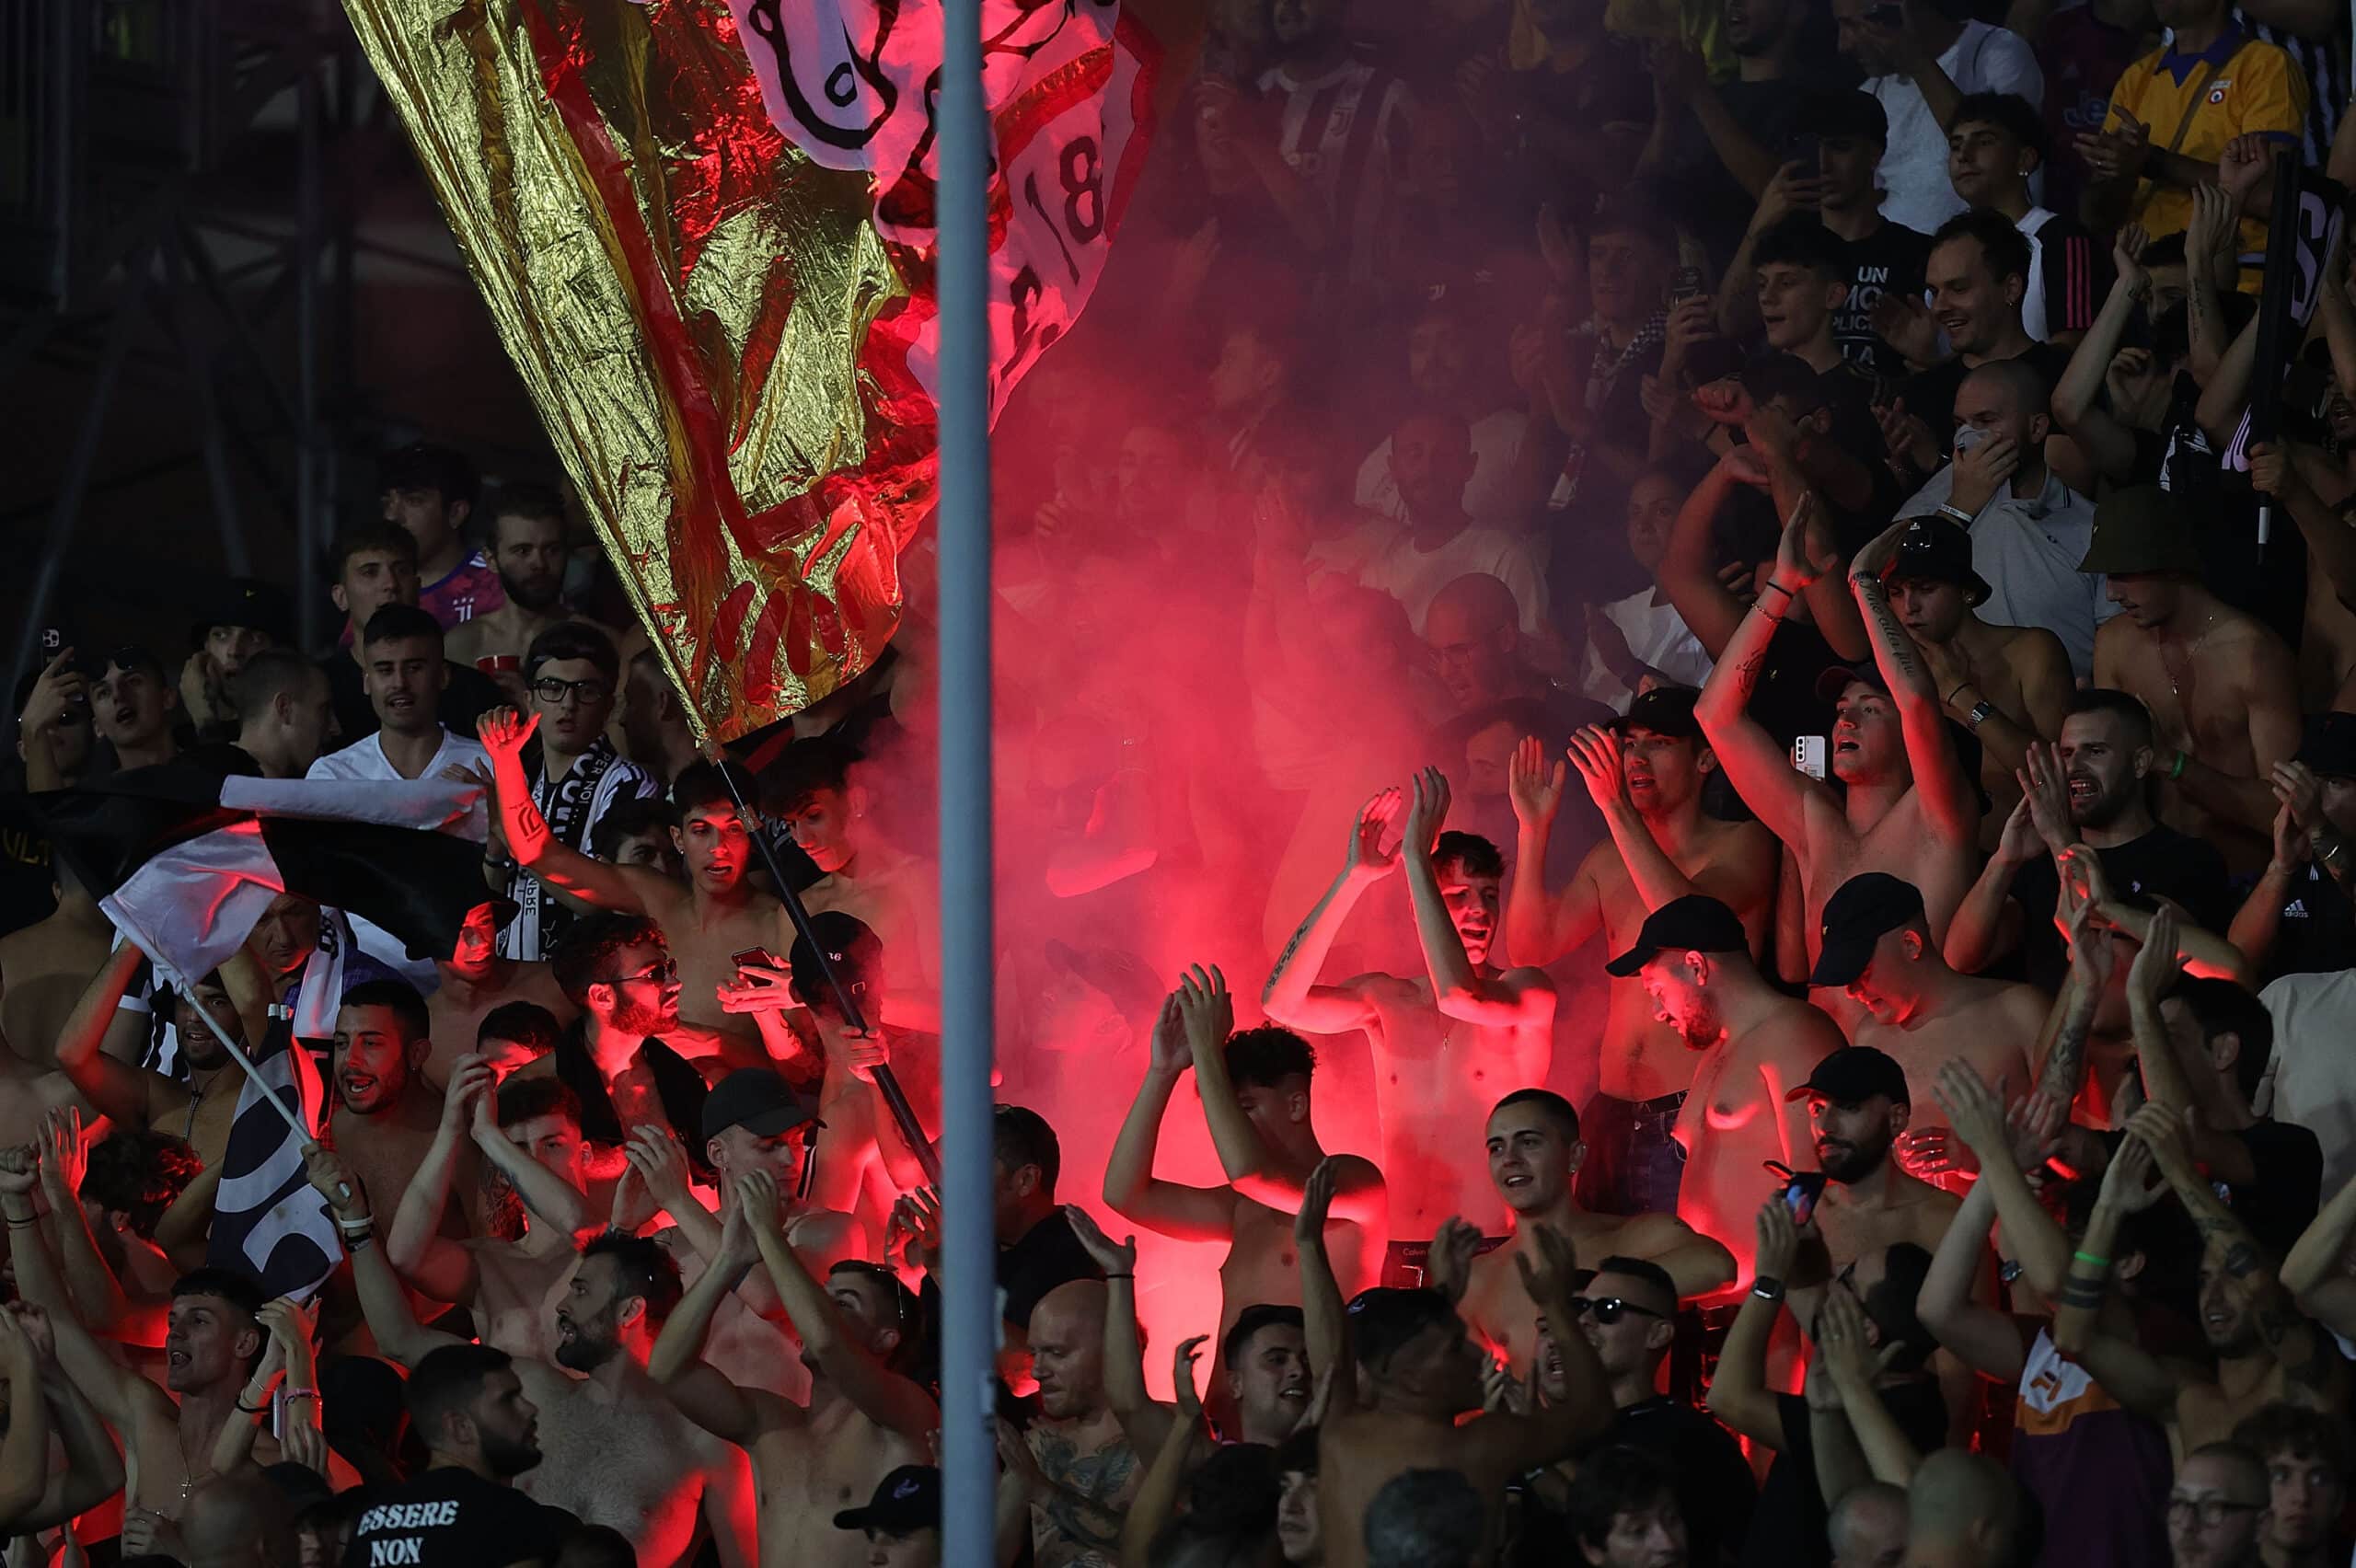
(729, 355)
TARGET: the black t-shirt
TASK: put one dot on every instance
(1893, 256)
(2163, 863)
(1787, 1528)
(1048, 1255)
(1930, 394)
(469, 696)
(454, 1519)
(2281, 1203)
(2075, 269)
(2317, 934)
(1714, 1488)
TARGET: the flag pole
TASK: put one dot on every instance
(969, 1326)
(238, 1054)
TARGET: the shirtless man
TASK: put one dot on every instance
(2221, 688)
(386, 1116)
(532, 1137)
(199, 1110)
(2266, 1350)
(1443, 1041)
(860, 1331)
(1875, 946)
(1254, 1087)
(1421, 1372)
(2009, 685)
(213, 1342)
(1083, 1471)
(1904, 806)
(1860, 1102)
(716, 913)
(45, 967)
(896, 895)
(1647, 781)
(526, 549)
(752, 1124)
(475, 981)
(1534, 1154)
(616, 1452)
(1753, 1046)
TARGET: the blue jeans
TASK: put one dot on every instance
(1633, 1165)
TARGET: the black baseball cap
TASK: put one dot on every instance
(1837, 678)
(1934, 549)
(1384, 1318)
(1695, 923)
(757, 1101)
(1843, 112)
(905, 1501)
(2330, 747)
(1665, 710)
(1854, 1074)
(853, 950)
(248, 602)
(1857, 917)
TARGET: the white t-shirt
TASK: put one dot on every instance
(1390, 561)
(1659, 639)
(2314, 1072)
(365, 759)
(1490, 497)
(1916, 192)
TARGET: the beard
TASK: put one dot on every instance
(639, 1018)
(2106, 805)
(506, 1455)
(583, 1352)
(1851, 1163)
(534, 594)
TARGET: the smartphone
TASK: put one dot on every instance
(1807, 756)
(53, 642)
(1800, 1195)
(754, 958)
(1806, 150)
(1685, 283)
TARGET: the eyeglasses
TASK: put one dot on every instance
(2211, 1511)
(661, 973)
(1608, 1309)
(553, 692)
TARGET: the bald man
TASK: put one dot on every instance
(2028, 529)
(1473, 632)
(1438, 542)
(1087, 1468)
(1962, 1511)
(1868, 1526)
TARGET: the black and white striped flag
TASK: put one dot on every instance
(267, 1221)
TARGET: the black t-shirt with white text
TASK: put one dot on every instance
(1893, 256)
(453, 1519)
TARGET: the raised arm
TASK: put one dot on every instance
(1739, 1394)
(1143, 1420)
(107, 1309)
(2078, 405)
(429, 1260)
(1754, 763)
(118, 1392)
(287, 1351)
(1979, 1336)
(551, 1201)
(119, 1089)
(1511, 1444)
(2312, 1274)
(24, 1448)
(701, 1394)
(1688, 568)
(2127, 1372)
(1852, 1366)
(1325, 1325)
(621, 889)
(1521, 998)
(1207, 1016)
(1541, 927)
(1292, 995)
(93, 1467)
(1131, 1189)
(1950, 801)
(2002, 1143)
(383, 1301)
(2274, 471)
(884, 1397)
(1157, 1497)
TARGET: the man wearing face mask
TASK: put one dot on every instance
(2028, 530)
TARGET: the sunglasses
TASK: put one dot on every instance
(661, 973)
(1607, 1310)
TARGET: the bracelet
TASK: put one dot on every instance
(2090, 1258)
(360, 1243)
(1958, 688)
(29, 1222)
(252, 1410)
(2176, 769)
(1955, 514)
(1120, 1276)
(1775, 587)
(498, 865)
(291, 1395)
(356, 1222)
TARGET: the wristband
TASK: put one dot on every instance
(496, 864)
(253, 1410)
(1768, 1289)
(1955, 514)
(2090, 1258)
(361, 1242)
(1959, 689)
(1120, 1276)
(2176, 769)
(1774, 587)
(293, 1394)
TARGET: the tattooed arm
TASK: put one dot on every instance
(1757, 767)
(1073, 1506)
(1292, 995)
(1950, 801)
